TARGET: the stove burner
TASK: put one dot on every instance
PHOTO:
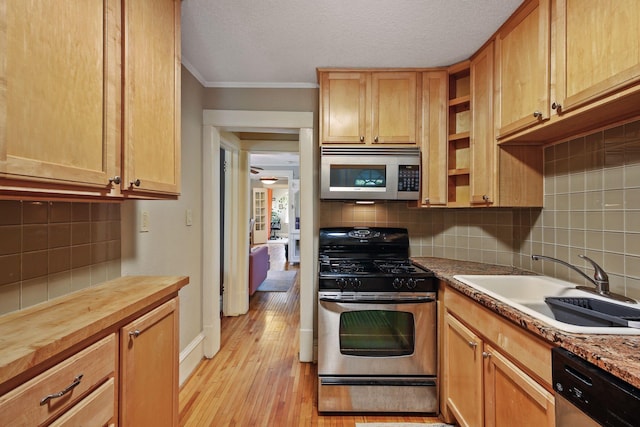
(379, 263)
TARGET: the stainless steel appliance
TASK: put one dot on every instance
(377, 342)
(588, 396)
(369, 173)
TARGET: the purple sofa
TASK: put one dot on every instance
(258, 267)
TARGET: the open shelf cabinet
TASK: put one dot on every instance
(459, 148)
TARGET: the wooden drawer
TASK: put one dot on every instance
(531, 354)
(97, 409)
(22, 406)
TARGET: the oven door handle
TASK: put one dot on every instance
(414, 300)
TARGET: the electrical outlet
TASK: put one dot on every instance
(144, 221)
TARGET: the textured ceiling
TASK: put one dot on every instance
(280, 43)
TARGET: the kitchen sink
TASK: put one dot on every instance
(528, 293)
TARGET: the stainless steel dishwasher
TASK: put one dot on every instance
(588, 396)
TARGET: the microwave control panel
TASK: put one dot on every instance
(408, 178)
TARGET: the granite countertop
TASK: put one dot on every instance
(616, 354)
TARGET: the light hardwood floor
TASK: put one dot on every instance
(256, 379)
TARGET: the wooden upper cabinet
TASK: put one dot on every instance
(523, 69)
(597, 51)
(151, 104)
(483, 143)
(343, 107)
(367, 107)
(393, 110)
(59, 88)
(434, 138)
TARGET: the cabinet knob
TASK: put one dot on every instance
(486, 198)
(486, 354)
(135, 183)
(362, 139)
(115, 180)
(135, 334)
(537, 115)
(556, 106)
(375, 139)
(472, 344)
(426, 201)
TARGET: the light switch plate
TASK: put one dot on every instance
(188, 218)
(144, 221)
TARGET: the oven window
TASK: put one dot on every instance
(358, 176)
(377, 333)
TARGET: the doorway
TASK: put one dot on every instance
(217, 123)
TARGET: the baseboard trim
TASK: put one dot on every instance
(191, 357)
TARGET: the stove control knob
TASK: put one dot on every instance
(341, 282)
(396, 283)
(356, 283)
(411, 283)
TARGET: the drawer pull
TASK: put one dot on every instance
(135, 334)
(74, 384)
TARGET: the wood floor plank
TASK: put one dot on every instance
(256, 378)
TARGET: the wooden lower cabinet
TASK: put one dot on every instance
(464, 373)
(127, 376)
(484, 385)
(149, 368)
(511, 396)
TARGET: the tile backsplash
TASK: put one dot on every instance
(591, 207)
(51, 248)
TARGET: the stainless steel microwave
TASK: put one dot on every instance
(369, 173)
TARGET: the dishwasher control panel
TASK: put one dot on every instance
(605, 398)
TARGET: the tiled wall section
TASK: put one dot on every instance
(591, 206)
(483, 235)
(48, 249)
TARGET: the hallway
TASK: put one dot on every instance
(256, 379)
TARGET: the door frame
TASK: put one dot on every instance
(215, 124)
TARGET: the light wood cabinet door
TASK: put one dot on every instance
(59, 94)
(343, 107)
(393, 110)
(434, 138)
(483, 144)
(151, 104)
(367, 107)
(512, 398)
(463, 373)
(523, 69)
(597, 49)
(149, 368)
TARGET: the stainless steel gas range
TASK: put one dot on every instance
(377, 343)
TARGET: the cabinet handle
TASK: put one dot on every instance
(485, 198)
(556, 106)
(135, 334)
(486, 354)
(115, 180)
(375, 139)
(537, 115)
(135, 183)
(362, 139)
(74, 384)
(472, 344)
(426, 201)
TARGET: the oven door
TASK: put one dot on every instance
(377, 337)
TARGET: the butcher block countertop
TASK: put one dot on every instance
(42, 335)
(616, 354)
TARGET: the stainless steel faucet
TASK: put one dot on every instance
(600, 278)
